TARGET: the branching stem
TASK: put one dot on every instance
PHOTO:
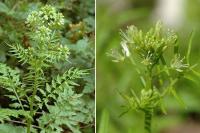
(150, 80)
(33, 100)
(18, 98)
(19, 122)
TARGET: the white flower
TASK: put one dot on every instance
(116, 55)
(178, 65)
(47, 16)
(147, 59)
(125, 48)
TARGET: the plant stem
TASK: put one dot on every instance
(150, 78)
(138, 71)
(19, 122)
(148, 119)
(18, 98)
(32, 101)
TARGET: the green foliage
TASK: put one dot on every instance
(69, 110)
(46, 88)
(103, 128)
(157, 75)
(10, 80)
(7, 113)
(7, 128)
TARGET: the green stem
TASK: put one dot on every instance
(148, 119)
(29, 123)
(150, 78)
(138, 71)
(18, 98)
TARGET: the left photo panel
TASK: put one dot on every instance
(47, 66)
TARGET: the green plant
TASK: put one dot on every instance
(147, 53)
(43, 97)
(104, 122)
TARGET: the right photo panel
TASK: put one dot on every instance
(148, 72)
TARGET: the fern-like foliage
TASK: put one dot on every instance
(158, 76)
(6, 114)
(50, 101)
(10, 80)
(24, 55)
(69, 109)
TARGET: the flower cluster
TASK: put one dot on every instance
(43, 34)
(116, 55)
(178, 65)
(148, 46)
(44, 21)
(148, 99)
(46, 16)
(51, 17)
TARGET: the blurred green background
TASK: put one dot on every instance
(112, 15)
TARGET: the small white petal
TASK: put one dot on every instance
(125, 48)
